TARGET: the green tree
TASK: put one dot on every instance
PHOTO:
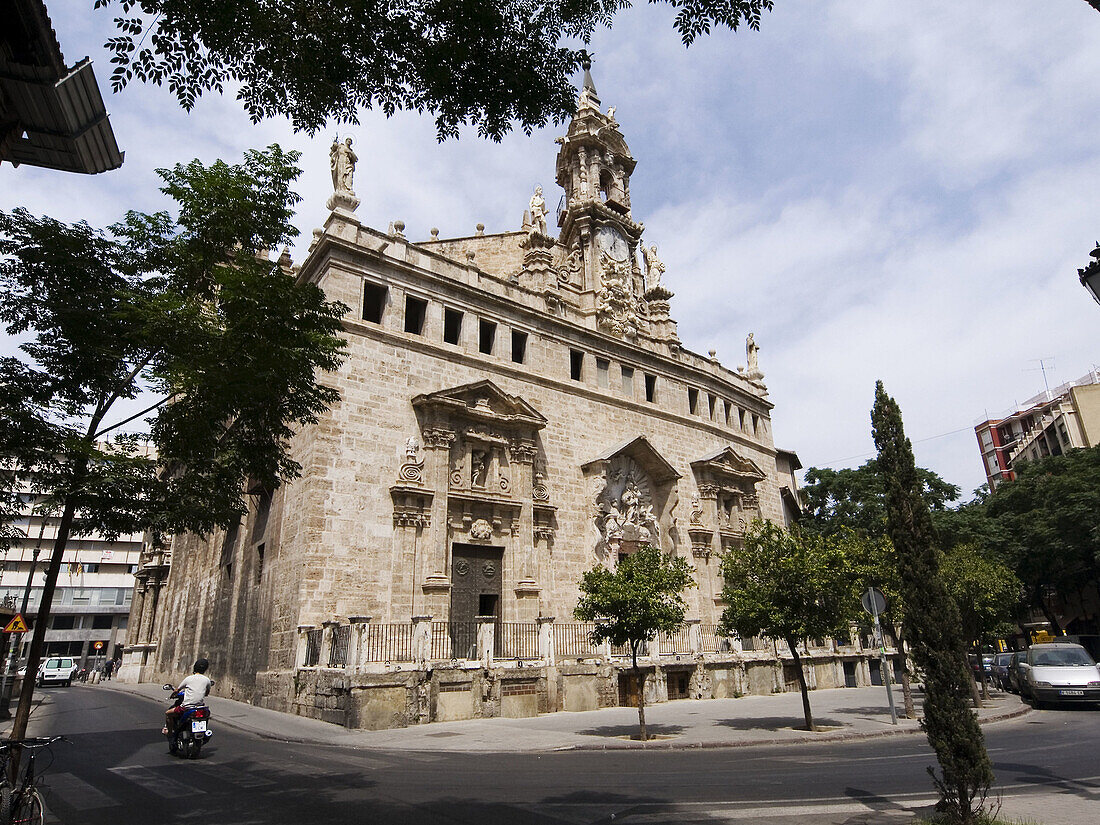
(484, 62)
(932, 622)
(186, 310)
(986, 593)
(856, 498)
(790, 586)
(641, 597)
(1047, 528)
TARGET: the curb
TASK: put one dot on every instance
(830, 738)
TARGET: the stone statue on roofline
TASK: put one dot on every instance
(538, 211)
(752, 362)
(342, 162)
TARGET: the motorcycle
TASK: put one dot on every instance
(191, 729)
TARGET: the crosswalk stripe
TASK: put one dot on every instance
(154, 782)
(77, 793)
(234, 776)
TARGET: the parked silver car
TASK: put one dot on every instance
(1060, 672)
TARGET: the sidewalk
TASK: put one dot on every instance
(841, 713)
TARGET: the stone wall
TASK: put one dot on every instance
(375, 701)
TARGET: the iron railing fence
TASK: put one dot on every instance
(313, 647)
(678, 641)
(341, 637)
(574, 640)
(517, 640)
(388, 643)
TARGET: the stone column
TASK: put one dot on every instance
(421, 640)
(486, 637)
(434, 575)
(358, 643)
(546, 640)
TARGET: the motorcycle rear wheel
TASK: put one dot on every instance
(193, 747)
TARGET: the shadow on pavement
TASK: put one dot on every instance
(796, 723)
(652, 728)
(1047, 779)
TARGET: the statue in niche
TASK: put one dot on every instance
(625, 506)
(342, 162)
(653, 267)
(479, 469)
(538, 211)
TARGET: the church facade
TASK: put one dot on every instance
(515, 408)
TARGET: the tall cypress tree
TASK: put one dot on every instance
(934, 625)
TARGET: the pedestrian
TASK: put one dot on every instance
(108, 667)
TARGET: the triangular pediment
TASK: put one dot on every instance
(725, 462)
(655, 465)
(481, 401)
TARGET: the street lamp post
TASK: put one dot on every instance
(1090, 275)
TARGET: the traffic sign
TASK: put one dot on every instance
(17, 625)
(98, 645)
(878, 605)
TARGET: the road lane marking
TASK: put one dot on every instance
(154, 782)
(236, 777)
(78, 794)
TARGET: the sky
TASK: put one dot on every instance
(877, 190)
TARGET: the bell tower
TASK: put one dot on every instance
(594, 165)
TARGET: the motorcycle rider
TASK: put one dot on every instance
(194, 690)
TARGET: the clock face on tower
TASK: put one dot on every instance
(611, 242)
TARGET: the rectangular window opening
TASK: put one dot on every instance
(519, 346)
(374, 302)
(576, 364)
(415, 311)
(486, 336)
(452, 326)
(259, 562)
(726, 408)
(603, 368)
(711, 401)
(693, 400)
(628, 382)
(651, 388)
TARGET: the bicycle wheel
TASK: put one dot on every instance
(5, 803)
(28, 808)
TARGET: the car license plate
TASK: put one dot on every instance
(198, 727)
(1071, 693)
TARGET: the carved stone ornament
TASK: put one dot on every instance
(696, 510)
(438, 438)
(616, 304)
(625, 505)
(569, 268)
(539, 492)
(412, 470)
(481, 530)
(489, 570)
(462, 567)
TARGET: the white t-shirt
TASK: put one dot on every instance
(194, 687)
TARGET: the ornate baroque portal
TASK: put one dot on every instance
(633, 495)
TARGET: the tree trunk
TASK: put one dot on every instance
(639, 681)
(792, 644)
(34, 654)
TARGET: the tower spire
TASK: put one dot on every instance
(588, 87)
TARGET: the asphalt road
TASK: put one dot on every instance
(117, 771)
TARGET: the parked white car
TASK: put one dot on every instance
(1060, 672)
(55, 670)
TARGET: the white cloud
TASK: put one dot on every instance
(876, 189)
